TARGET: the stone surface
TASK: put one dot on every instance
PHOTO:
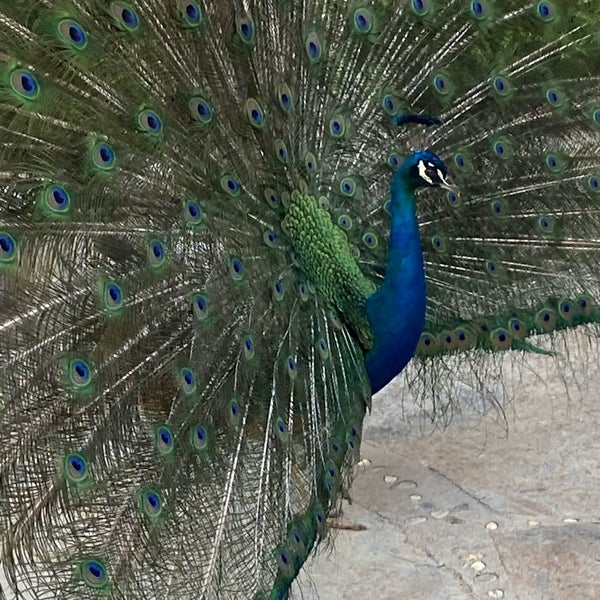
(531, 468)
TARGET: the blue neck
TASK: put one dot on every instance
(396, 311)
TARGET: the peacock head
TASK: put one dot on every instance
(425, 169)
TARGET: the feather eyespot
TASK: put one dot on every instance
(8, 247)
(72, 34)
(93, 573)
(24, 84)
(125, 16)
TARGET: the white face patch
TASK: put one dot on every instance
(423, 173)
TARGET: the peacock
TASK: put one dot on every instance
(225, 225)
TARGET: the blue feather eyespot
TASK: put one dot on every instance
(8, 247)
(187, 381)
(191, 13)
(323, 349)
(270, 239)
(503, 149)
(281, 429)
(72, 34)
(335, 319)
(428, 344)
(24, 84)
(462, 162)
(285, 97)
(233, 412)
(93, 573)
(387, 207)
(449, 341)
(492, 267)
(151, 503)
(348, 187)
(420, 7)
(566, 309)
(201, 110)
(200, 438)
(292, 367)
(255, 113)
(245, 29)
(278, 291)
(303, 291)
(80, 373)
(546, 319)
(390, 104)
(596, 116)
(585, 304)
(439, 244)
(441, 84)
(56, 199)
(517, 328)
(272, 197)
(75, 467)
(480, 9)
(125, 16)
(363, 21)
(593, 183)
(112, 296)
(200, 306)
(501, 339)
(163, 439)
(192, 212)
(465, 338)
(149, 122)
(236, 269)
(230, 185)
(546, 224)
(370, 239)
(313, 47)
(285, 564)
(453, 199)
(337, 126)
(345, 222)
(310, 163)
(499, 208)
(501, 85)
(393, 160)
(545, 11)
(103, 156)
(323, 202)
(281, 151)
(157, 254)
(555, 98)
(554, 162)
(248, 347)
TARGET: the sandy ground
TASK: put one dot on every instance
(496, 504)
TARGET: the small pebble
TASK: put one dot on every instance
(472, 556)
(478, 566)
(533, 523)
(416, 497)
(440, 514)
(415, 520)
(570, 520)
(496, 594)
(390, 479)
(491, 526)
(485, 578)
(364, 462)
